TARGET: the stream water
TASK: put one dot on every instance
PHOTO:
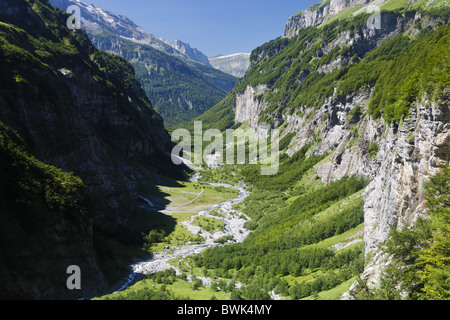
(234, 227)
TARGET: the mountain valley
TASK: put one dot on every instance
(358, 209)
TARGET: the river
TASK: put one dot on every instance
(234, 227)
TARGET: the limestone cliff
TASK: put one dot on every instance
(82, 111)
(188, 51)
(248, 105)
(330, 10)
(407, 156)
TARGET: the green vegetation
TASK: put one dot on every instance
(421, 63)
(156, 240)
(209, 225)
(291, 170)
(420, 266)
(306, 236)
(42, 208)
(284, 143)
(180, 90)
(166, 285)
(43, 63)
(220, 116)
(423, 69)
(223, 174)
(301, 246)
(184, 200)
(289, 226)
(224, 239)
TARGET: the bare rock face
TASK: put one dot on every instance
(318, 14)
(188, 51)
(409, 155)
(397, 159)
(304, 20)
(95, 20)
(248, 106)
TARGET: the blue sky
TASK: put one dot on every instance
(212, 26)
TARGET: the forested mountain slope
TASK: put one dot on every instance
(357, 98)
(89, 137)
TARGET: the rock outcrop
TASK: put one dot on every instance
(408, 156)
(82, 111)
(171, 72)
(249, 106)
(405, 157)
(234, 64)
(188, 51)
(96, 21)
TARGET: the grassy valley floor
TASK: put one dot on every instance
(306, 239)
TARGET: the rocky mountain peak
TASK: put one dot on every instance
(330, 10)
(96, 20)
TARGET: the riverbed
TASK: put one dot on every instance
(234, 227)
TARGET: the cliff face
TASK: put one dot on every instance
(82, 121)
(235, 64)
(330, 10)
(46, 226)
(320, 13)
(83, 111)
(407, 156)
(188, 51)
(398, 157)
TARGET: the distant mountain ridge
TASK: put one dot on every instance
(373, 100)
(191, 53)
(178, 79)
(235, 64)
